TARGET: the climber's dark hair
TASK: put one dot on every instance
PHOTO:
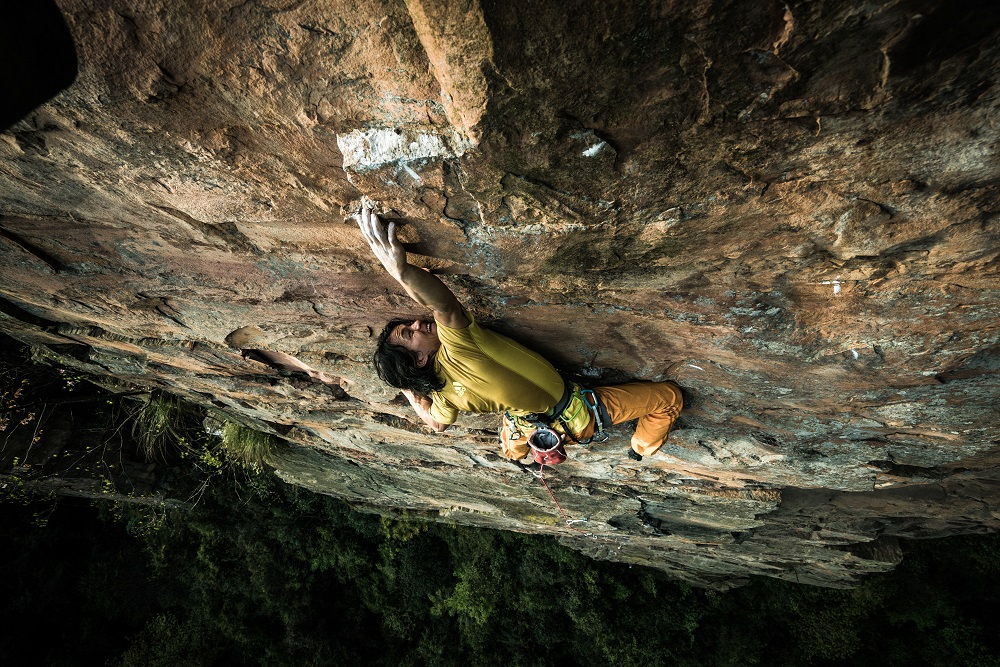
(398, 368)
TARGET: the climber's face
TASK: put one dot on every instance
(419, 337)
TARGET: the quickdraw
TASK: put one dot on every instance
(593, 402)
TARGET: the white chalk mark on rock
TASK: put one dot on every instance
(835, 282)
(594, 150)
(698, 367)
(412, 174)
(370, 149)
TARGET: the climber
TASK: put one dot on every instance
(450, 364)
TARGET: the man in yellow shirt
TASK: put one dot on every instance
(451, 364)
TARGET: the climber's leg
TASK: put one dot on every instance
(655, 404)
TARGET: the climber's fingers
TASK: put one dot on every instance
(372, 228)
(382, 240)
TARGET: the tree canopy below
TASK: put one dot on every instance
(259, 572)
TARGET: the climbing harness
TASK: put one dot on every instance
(545, 435)
(571, 415)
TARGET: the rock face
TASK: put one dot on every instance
(789, 208)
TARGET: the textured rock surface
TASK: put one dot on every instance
(791, 208)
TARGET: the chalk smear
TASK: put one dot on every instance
(369, 149)
(835, 282)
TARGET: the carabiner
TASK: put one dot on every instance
(599, 431)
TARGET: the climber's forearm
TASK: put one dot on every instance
(422, 406)
(427, 289)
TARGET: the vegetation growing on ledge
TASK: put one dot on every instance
(66, 434)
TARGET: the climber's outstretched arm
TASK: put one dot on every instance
(421, 285)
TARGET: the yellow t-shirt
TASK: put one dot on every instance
(485, 371)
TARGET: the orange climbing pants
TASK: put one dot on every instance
(655, 404)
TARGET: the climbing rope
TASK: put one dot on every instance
(617, 543)
(569, 522)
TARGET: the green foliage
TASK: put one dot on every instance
(247, 447)
(163, 424)
(265, 573)
(165, 641)
(160, 422)
(13, 488)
